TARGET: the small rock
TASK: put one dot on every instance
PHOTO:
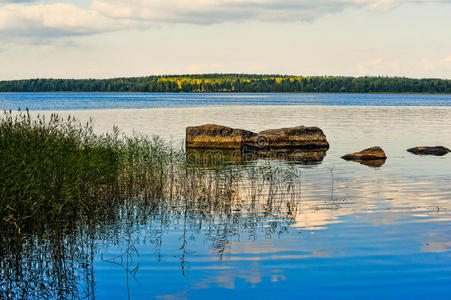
(426, 150)
(373, 153)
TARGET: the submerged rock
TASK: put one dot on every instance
(373, 153)
(426, 150)
(213, 136)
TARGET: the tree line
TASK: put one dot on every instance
(240, 83)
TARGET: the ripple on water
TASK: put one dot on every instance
(347, 231)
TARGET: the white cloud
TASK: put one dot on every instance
(16, 1)
(60, 19)
(64, 19)
(217, 11)
(379, 66)
(424, 64)
(376, 61)
(386, 5)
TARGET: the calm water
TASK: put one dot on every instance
(350, 232)
(81, 101)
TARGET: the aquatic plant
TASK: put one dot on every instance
(62, 185)
(50, 166)
(56, 169)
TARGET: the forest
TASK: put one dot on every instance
(238, 83)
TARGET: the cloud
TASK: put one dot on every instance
(376, 61)
(217, 11)
(424, 64)
(64, 19)
(16, 1)
(60, 19)
(379, 66)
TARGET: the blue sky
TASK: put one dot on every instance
(109, 38)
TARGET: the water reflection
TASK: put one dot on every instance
(373, 163)
(208, 157)
(241, 218)
(57, 261)
(51, 264)
(335, 229)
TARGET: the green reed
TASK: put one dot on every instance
(55, 170)
(50, 166)
(60, 184)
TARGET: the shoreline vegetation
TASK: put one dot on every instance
(65, 189)
(235, 83)
(57, 170)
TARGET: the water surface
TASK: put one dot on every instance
(349, 231)
(82, 101)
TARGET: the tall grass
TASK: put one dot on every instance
(60, 184)
(50, 166)
(53, 170)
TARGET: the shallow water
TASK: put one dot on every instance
(352, 231)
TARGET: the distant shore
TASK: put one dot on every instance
(235, 83)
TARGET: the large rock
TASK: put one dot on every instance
(300, 137)
(373, 153)
(212, 136)
(426, 150)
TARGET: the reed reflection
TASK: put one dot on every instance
(57, 259)
(261, 200)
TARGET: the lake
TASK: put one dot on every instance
(350, 231)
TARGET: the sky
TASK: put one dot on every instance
(112, 38)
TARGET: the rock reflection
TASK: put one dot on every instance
(208, 157)
(375, 163)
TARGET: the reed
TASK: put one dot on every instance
(56, 170)
(63, 187)
(50, 166)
